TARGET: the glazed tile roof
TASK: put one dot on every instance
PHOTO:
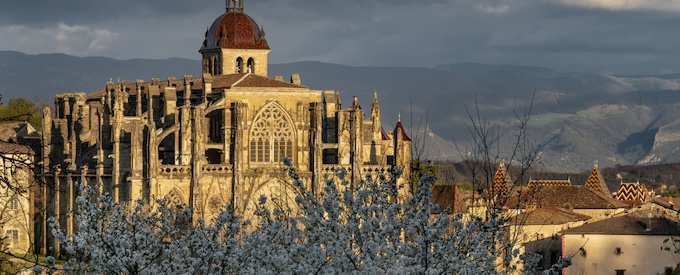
(631, 191)
(502, 182)
(549, 215)
(596, 182)
(448, 198)
(536, 183)
(636, 223)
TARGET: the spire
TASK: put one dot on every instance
(596, 181)
(375, 109)
(502, 182)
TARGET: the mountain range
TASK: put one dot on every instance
(575, 118)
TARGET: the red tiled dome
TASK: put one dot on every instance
(234, 30)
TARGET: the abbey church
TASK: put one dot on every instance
(209, 141)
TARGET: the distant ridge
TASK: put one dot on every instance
(577, 118)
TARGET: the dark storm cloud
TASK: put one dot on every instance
(40, 12)
(583, 35)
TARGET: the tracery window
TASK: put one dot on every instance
(271, 138)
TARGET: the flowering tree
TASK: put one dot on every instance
(340, 230)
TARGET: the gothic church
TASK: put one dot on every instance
(208, 141)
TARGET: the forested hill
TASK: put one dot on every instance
(576, 118)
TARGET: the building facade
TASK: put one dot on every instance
(210, 141)
(19, 142)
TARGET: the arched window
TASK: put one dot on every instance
(216, 66)
(271, 138)
(251, 65)
(239, 64)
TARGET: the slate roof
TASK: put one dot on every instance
(636, 223)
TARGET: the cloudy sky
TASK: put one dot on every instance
(611, 36)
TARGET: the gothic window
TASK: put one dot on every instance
(239, 64)
(216, 125)
(251, 65)
(215, 204)
(173, 200)
(271, 138)
(216, 66)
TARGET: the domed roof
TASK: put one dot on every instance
(234, 30)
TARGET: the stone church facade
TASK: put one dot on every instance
(208, 141)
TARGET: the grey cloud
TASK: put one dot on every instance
(381, 32)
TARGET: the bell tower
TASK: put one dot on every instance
(234, 44)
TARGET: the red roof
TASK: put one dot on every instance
(234, 30)
(399, 127)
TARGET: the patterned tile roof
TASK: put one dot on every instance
(536, 183)
(564, 196)
(502, 182)
(596, 182)
(631, 191)
(636, 223)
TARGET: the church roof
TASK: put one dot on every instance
(596, 182)
(632, 191)
(564, 196)
(234, 30)
(536, 183)
(245, 80)
(502, 182)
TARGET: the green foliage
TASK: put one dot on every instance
(420, 168)
(22, 109)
